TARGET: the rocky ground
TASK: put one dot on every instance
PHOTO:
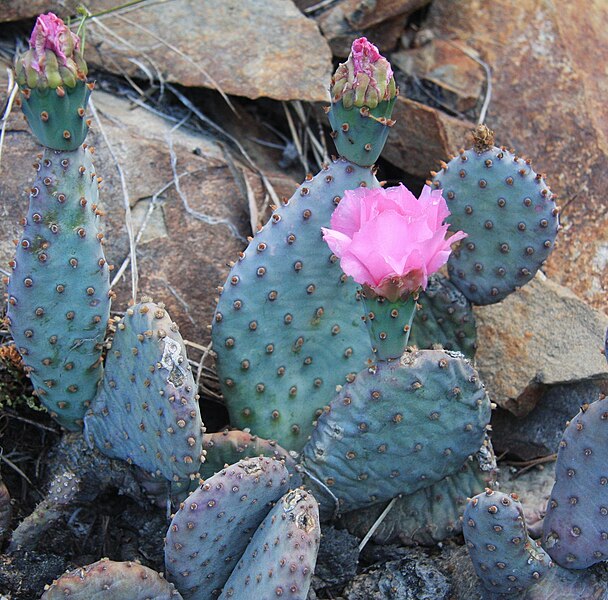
(206, 113)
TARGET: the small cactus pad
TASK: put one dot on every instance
(147, 410)
(288, 326)
(212, 528)
(57, 116)
(229, 446)
(280, 559)
(399, 427)
(505, 558)
(510, 217)
(58, 303)
(445, 317)
(109, 580)
(428, 516)
(575, 529)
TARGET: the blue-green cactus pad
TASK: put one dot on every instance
(58, 304)
(110, 580)
(288, 327)
(505, 558)
(212, 528)
(575, 528)
(428, 516)
(445, 317)
(510, 217)
(280, 559)
(399, 427)
(147, 410)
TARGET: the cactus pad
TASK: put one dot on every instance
(505, 558)
(509, 214)
(109, 580)
(58, 291)
(147, 411)
(288, 327)
(399, 427)
(445, 317)
(575, 529)
(281, 557)
(211, 530)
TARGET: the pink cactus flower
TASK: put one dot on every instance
(51, 33)
(364, 55)
(389, 241)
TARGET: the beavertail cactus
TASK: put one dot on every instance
(281, 557)
(109, 580)
(575, 529)
(147, 411)
(508, 212)
(505, 558)
(212, 528)
(52, 79)
(363, 93)
(58, 292)
(399, 427)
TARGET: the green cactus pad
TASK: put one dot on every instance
(280, 559)
(445, 317)
(428, 516)
(57, 116)
(399, 427)
(147, 410)
(360, 133)
(505, 558)
(510, 217)
(575, 528)
(58, 303)
(212, 528)
(110, 580)
(288, 326)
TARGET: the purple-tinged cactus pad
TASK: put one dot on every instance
(147, 411)
(109, 580)
(58, 304)
(575, 529)
(505, 558)
(212, 528)
(280, 559)
(399, 427)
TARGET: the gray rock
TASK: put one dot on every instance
(337, 559)
(539, 433)
(415, 576)
(248, 48)
(539, 336)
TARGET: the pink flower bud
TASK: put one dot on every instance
(389, 241)
(51, 33)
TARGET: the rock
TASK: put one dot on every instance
(548, 102)
(456, 79)
(182, 256)
(539, 336)
(413, 577)
(539, 433)
(337, 559)
(248, 48)
(421, 135)
(23, 575)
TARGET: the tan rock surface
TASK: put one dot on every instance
(548, 60)
(249, 48)
(539, 336)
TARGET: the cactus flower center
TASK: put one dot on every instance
(388, 240)
(51, 33)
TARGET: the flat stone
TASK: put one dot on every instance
(422, 135)
(190, 235)
(539, 336)
(548, 102)
(539, 433)
(249, 48)
(381, 21)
